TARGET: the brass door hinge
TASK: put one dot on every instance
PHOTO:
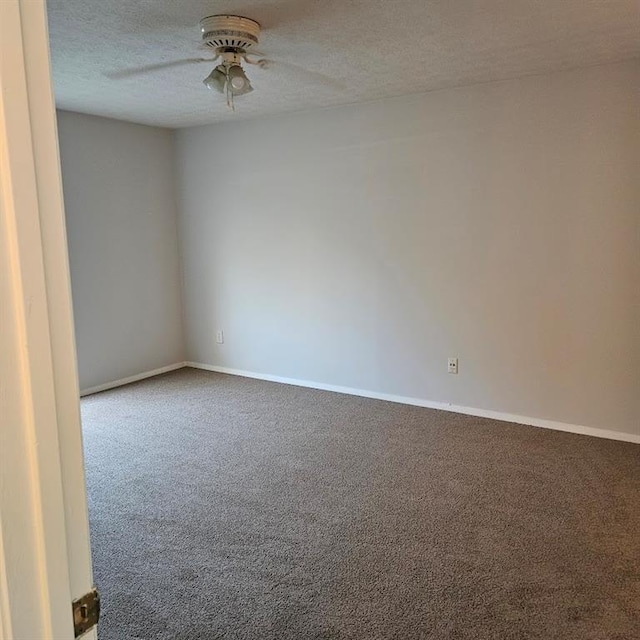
(86, 611)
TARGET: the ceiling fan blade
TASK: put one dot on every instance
(258, 58)
(149, 68)
(305, 74)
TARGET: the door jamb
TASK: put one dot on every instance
(44, 536)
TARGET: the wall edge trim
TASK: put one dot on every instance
(429, 404)
(135, 378)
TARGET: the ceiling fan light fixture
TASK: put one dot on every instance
(239, 83)
(217, 79)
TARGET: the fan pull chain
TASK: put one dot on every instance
(230, 96)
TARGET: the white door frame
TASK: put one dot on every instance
(45, 559)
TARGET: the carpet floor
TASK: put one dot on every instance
(232, 509)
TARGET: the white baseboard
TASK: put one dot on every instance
(138, 376)
(430, 404)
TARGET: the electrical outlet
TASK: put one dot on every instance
(219, 336)
(452, 365)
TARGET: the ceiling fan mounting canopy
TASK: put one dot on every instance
(227, 31)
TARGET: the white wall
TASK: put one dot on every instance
(118, 181)
(363, 245)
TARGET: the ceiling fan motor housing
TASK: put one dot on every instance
(234, 32)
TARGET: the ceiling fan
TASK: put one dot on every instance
(232, 39)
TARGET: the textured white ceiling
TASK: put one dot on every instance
(352, 50)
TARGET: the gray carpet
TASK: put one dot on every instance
(230, 508)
